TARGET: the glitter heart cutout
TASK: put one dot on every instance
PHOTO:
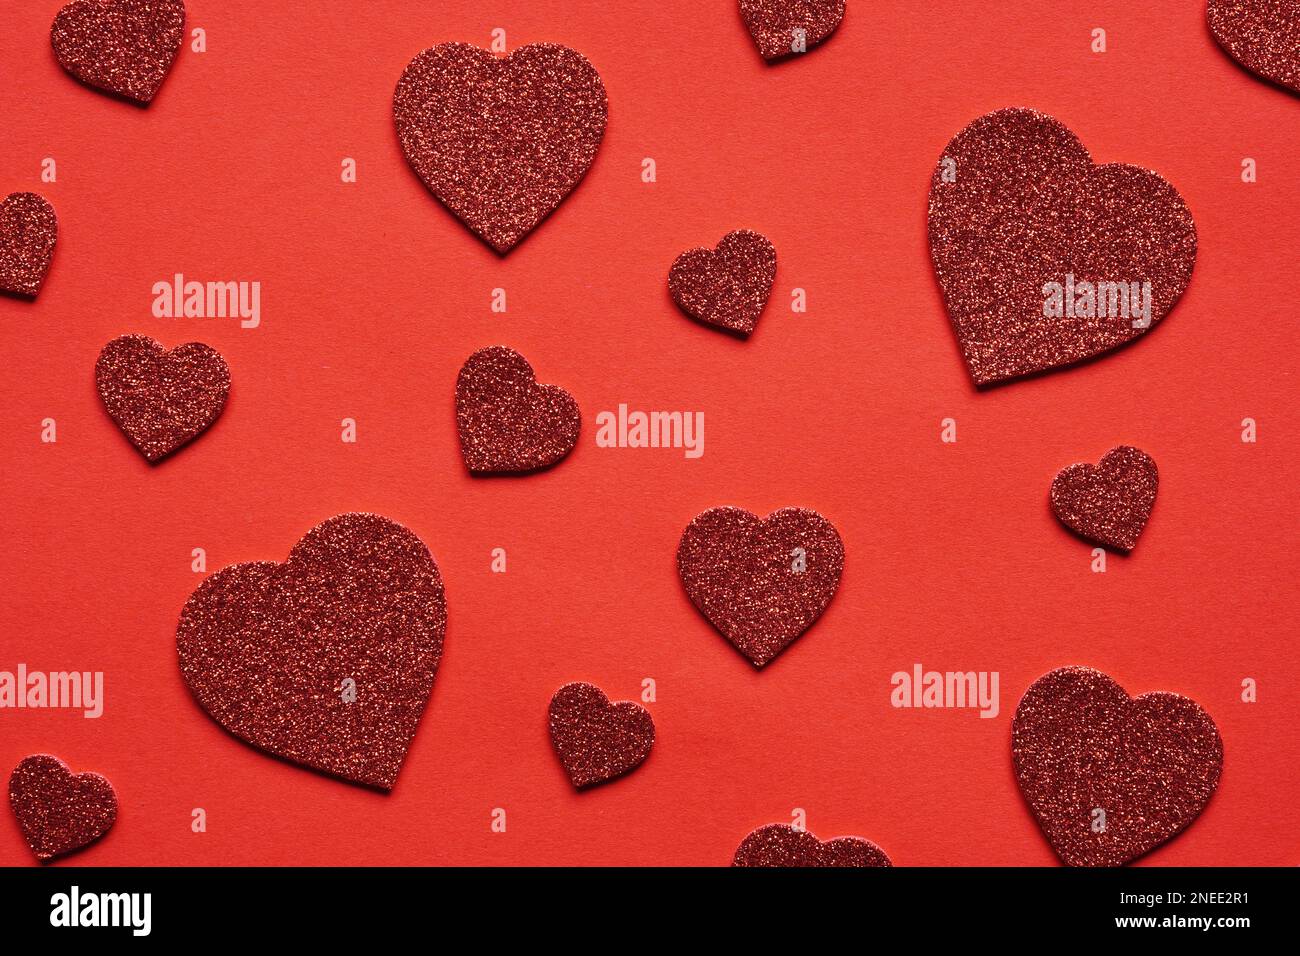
(507, 422)
(760, 582)
(28, 231)
(781, 845)
(59, 811)
(1107, 503)
(596, 740)
(783, 28)
(161, 399)
(326, 660)
(728, 286)
(124, 47)
(1261, 35)
(500, 141)
(1028, 225)
(1107, 776)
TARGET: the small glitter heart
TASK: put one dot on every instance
(727, 286)
(124, 47)
(1110, 777)
(328, 659)
(781, 845)
(59, 811)
(161, 399)
(1108, 503)
(783, 28)
(1261, 35)
(1044, 258)
(28, 231)
(501, 141)
(596, 740)
(761, 582)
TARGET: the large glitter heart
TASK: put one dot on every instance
(761, 582)
(1108, 503)
(783, 28)
(1109, 777)
(58, 810)
(28, 231)
(500, 141)
(781, 845)
(123, 46)
(728, 286)
(1261, 35)
(596, 740)
(1025, 230)
(328, 659)
(161, 399)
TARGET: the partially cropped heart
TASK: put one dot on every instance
(760, 581)
(501, 141)
(596, 740)
(28, 231)
(781, 845)
(1109, 777)
(727, 286)
(783, 28)
(1045, 259)
(124, 47)
(326, 660)
(508, 423)
(1108, 503)
(161, 399)
(59, 811)
(1261, 35)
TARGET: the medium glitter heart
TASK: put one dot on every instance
(28, 231)
(781, 845)
(326, 660)
(783, 28)
(501, 141)
(596, 740)
(1261, 35)
(59, 811)
(124, 47)
(1110, 777)
(727, 286)
(1107, 503)
(1044, 258)
(761, 582)
(161, 399)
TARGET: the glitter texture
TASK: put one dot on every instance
(727, 287)
(500, 141)
(772, 24)
(1080, 744)
(1108, 503)
(1027, 208)
(597, 740)
(57, 810)
(781, 845)
(508, 423)
(28, 231)
(1261, 35)
(123, 46)
(273, 651)
(161, 399)
(761, 582)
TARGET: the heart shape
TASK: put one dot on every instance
(59, 811)
(1023, 224)
(728, 286)
(761, 582)
(783, 28)
(596, 740)
(781, 845)
(28, 231)
(161, 399)
(508, 423)
(500, 141)
(124, 47)
(1261, 35)
(1081, 745)
(326, 660)
(1108, 503)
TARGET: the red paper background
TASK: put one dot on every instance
(373, 296)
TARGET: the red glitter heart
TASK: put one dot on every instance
(57, 810)
(726, 287)
(1108, 503)
(596, 740)
(1261, 35)
(775, 24)
(500, 141)
(28, 231)
(781, 845)
(1026, 207)
(1081, 745)
(328, 659)
(761, 582)
(123, 46)
(161, 399)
